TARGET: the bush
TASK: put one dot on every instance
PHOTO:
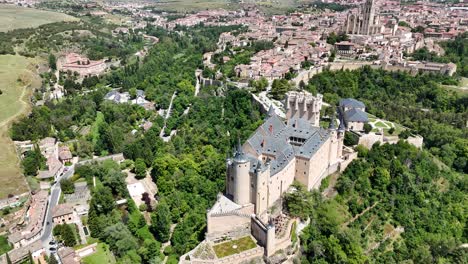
(168, 250)
(351, 139)
(362, 151)
(143, 207)
(367, 128)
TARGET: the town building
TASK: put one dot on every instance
(121, 98)
(19, 255)
(33, 222)
(67, 255)
(82, 65)
(65, 154)
(63, 214)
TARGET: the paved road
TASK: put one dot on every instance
(53, 201)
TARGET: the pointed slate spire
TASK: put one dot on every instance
(239, 155)
(271, 111)
(342, 126)
(332, 125)
(239, 145)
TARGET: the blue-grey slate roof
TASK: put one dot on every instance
(273, 138)
(356, 115)
(351, 103)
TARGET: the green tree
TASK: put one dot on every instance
(68, 235)
(132, 92)
(119, 238)
(33, 161)
(102, 201)
(161, 222)
(52, 62)
(279, 88)
(367, 128)
(140, 168)
(299, 202)
(52, 259)
(67, 186)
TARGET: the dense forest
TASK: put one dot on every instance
(394, 205)
(417, 102)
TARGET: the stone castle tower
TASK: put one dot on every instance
(238, 177)
(304, 106)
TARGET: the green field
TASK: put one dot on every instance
(267, 6)
(13, 17)
(102, 255)
(12, 105)
(233, 247)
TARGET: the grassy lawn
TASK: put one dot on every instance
(13, 17)
(190, 5)
(380, 124)
(233, 247)
(461, 89)
(4, 246)
(102, 256)
(13, 103)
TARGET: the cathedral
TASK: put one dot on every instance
(262, 169)
(366, 22)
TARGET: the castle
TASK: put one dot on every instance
(262, 170)
(364, 23)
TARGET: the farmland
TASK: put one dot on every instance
(12, 17)
(17, 75)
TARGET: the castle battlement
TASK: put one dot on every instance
(303, 105)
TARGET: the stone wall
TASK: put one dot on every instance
(232, 259)
(224, 224)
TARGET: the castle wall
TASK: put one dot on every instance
(259, 231)
(349, 156)
(280, 182)
(261, 192)
(302, 170)
(318, 164)
(284, 242)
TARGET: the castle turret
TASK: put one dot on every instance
(262, 174)
(240, 178)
